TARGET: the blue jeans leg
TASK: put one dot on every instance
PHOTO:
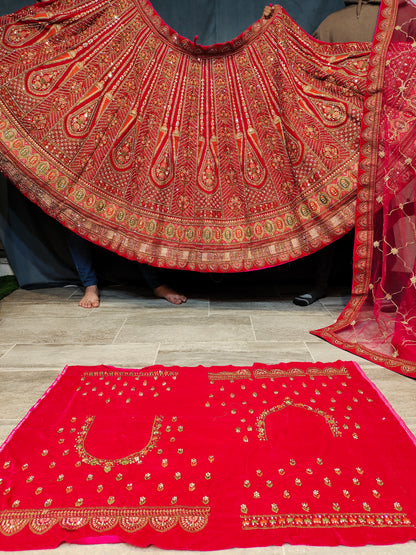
(153, 276)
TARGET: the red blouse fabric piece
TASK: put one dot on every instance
(232, 157)
(209, 458)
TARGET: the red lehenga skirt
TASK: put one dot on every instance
(231, 157)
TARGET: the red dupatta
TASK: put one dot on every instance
(379, 323)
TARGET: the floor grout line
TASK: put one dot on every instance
(156, 353)
(8, 350)
(119, 331)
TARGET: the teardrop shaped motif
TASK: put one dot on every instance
(41, 82)
(254, 169)
(27, 33)
(122, 155)
(331, 113)
(161, 171)
(79, 121)
(208, 173)
(53, 75)
(294, 148)
(16, 36)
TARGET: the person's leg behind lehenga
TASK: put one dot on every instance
(82, 256)
(155, 278)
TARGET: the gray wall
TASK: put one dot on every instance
(222, 20)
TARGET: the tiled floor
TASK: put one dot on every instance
(43, 330)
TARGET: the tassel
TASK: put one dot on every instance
(195, 39)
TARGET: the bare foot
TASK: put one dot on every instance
(91, 298)
(172, 296)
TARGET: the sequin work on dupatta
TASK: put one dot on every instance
(379, 322)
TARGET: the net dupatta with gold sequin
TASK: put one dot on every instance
(379, 323)
(231, 157)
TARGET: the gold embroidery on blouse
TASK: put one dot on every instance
(108, 464)
(241, 374)
(161, 519)
(271, 373)
(262, 373)
(325, 520)
(261, 419)
(161, 373)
